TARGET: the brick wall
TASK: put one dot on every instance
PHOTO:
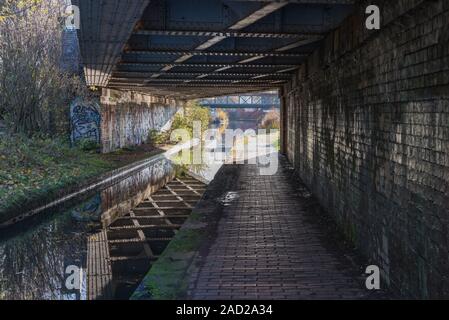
(367, 128)
(128, 118)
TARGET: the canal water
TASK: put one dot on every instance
(40, 257)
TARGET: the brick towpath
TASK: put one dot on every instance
(271, 242)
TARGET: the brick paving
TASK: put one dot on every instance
(268, 245)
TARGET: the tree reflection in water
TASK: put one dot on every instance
(33, 257)
(32, 263)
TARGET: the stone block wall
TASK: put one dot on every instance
(127, 118)
(367, 128)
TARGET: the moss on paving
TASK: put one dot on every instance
(168, 277)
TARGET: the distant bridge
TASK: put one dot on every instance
(257, 101)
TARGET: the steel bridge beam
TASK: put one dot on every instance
(197, 80)
(240, 106)
(171, 47)
(101, 50)
(211, 65)
(143, 75)
(303, 1)
(216, 53)
(252, 18)
(256, 86)
(227, 34)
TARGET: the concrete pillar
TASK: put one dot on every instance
(127, 118)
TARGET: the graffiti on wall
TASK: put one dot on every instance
(85, 121)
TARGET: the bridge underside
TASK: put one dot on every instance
(364, 112)
(200, 48)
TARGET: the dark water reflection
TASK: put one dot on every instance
(33, 262)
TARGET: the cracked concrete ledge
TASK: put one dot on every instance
(169, 276)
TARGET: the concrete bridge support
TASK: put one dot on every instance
(127, 118)
(367, 128)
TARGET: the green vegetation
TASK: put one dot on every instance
(277, 143)
(158, 138)
(185, 120)
(34, 90)
(223, 116)
(168, 277)
(271, 121)
(88, 145)
(37, 168)
(193, 112)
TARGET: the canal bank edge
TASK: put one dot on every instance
(169, 277)
(84, 189)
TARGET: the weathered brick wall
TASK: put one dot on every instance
(368, 131)
(128, 118)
